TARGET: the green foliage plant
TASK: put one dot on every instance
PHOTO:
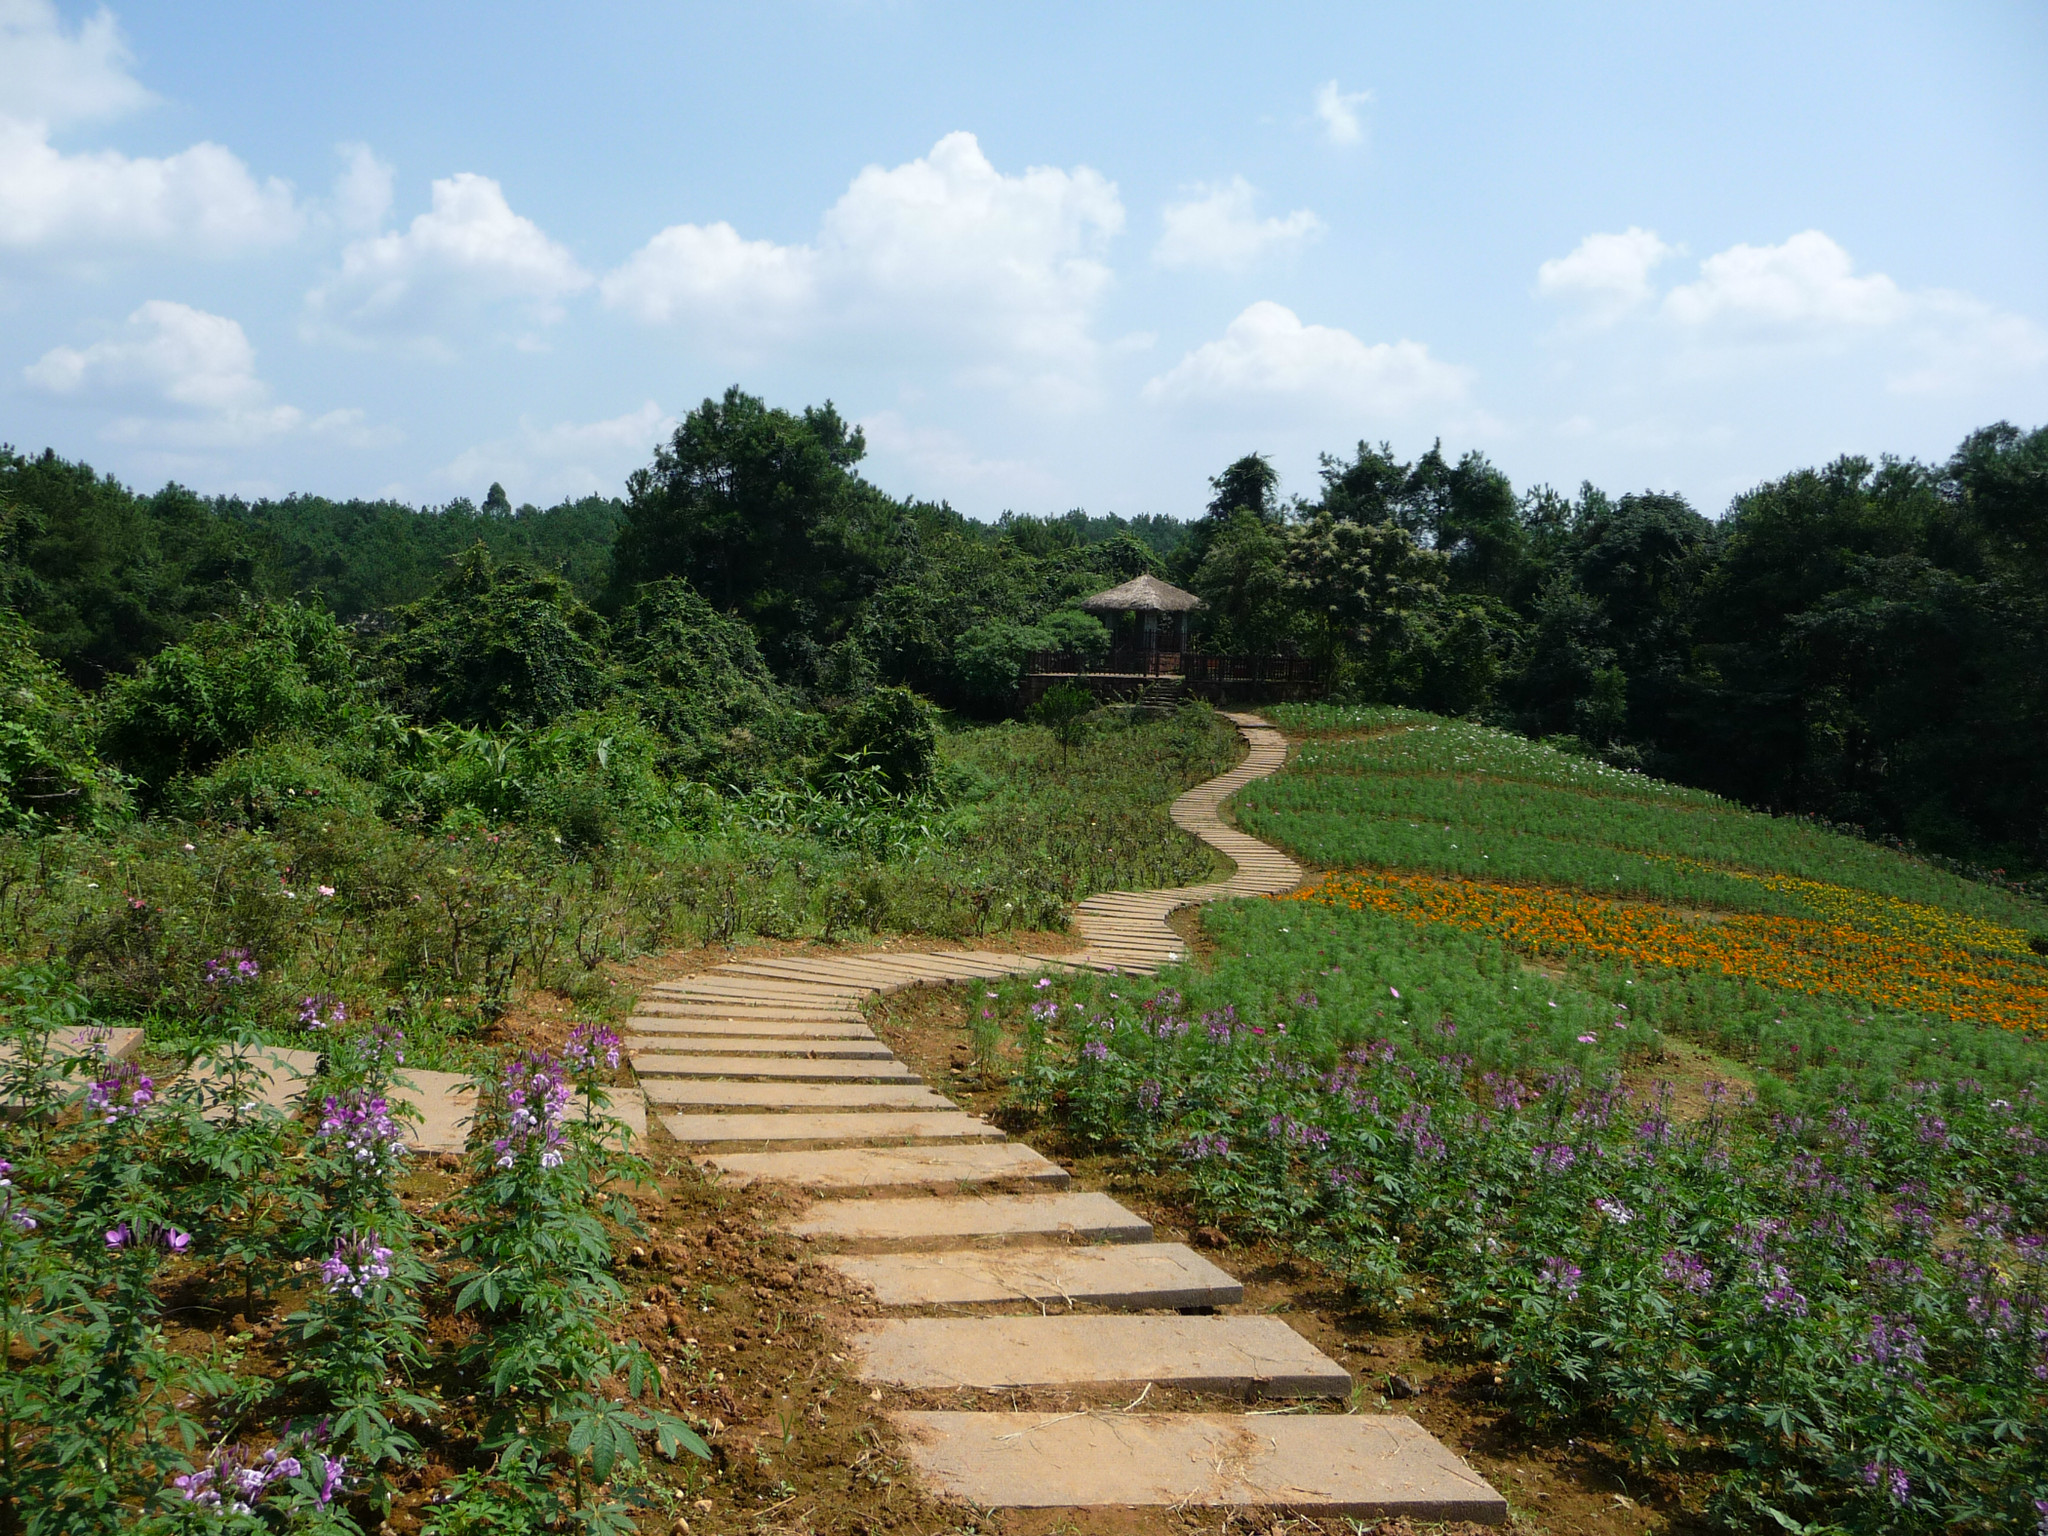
(532, 1235)
(1063, 710)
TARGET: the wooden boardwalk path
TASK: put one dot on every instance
(768, 1070)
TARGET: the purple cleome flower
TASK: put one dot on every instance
(1561, 1276)
(322, 1010)
(120, 1092)
(1204, 1145)
(1687, 1270)
(355, 1263)
(21, 1219)
(231, 968)
(588, 1045)
(372, 1140)
(1893, 1480)
(536, 1096)
(234, 1481)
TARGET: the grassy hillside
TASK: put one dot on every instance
(1716, 1137)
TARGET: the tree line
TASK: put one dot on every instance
(1863, 642)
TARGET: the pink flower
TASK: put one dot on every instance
(1394, 993)
(1589, 1039)
(326, 890)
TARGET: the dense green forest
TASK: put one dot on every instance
(1866, 643)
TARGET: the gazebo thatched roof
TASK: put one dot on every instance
(1143, 594)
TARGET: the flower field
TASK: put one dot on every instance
(1460, 799)
(1901, 956)
(1811, 1288)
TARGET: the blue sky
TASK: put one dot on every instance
(1049, 255)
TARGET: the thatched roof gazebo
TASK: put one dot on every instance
(1158, 613)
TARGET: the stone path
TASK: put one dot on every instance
(934, 1210)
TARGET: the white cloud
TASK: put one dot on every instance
(1760, 306)
(708, 272)
(1608, 274)
(201, 200)
(941, 464)
(1267, 353)
(56, 78)
(1220, 229)
(185, 376)
(999, 274)
(547, 463)
(362, 192)
(1337, 111)
(1808, 282)
(469, 251)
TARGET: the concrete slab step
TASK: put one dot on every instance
(1247, 1356)
(685, 1007)
(267, 1076)
(742, 1045)
(781, 1029)
(723, 1093)
(1127, 1275)
(446, 1106)
(1378, 1466)
(73, 1040)
(889, 1071)
(872, 1168)
(951, 1220)
(833, 1129)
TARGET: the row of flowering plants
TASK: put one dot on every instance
(123, 1198)
(1846, 1309)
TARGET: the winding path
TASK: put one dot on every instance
(767, 1071)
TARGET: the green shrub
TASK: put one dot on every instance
(495, 645)
(256, 786)
(270, 670)
(892, 733)
(49, 771)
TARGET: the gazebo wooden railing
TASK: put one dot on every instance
(1193, 666)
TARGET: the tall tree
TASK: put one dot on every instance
(761, 511)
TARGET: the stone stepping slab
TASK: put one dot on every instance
(72, 1040)
(872, 1125)
(723, 1093)
(824, 1009)
(785, 1046)
(1377, 1466)
(1076, 1215)
(758, 990)
(268, 1076)
(784, 1029)
(446, 1104)
(891, 1071)
(1127, 1275)
(1242, 1355)
(870, 1168)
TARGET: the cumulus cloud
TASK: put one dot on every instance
(1220, 229)
(179, 376)
(709, 272)
(1809, 281)
(1002, 273)
(545, 463)
(1267, 353)
(201, 200)
(1337, 112)
(55, 77)
(468, 252)
(1608, 274)
(1803, 297)
(938, 463)
(362, 192)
